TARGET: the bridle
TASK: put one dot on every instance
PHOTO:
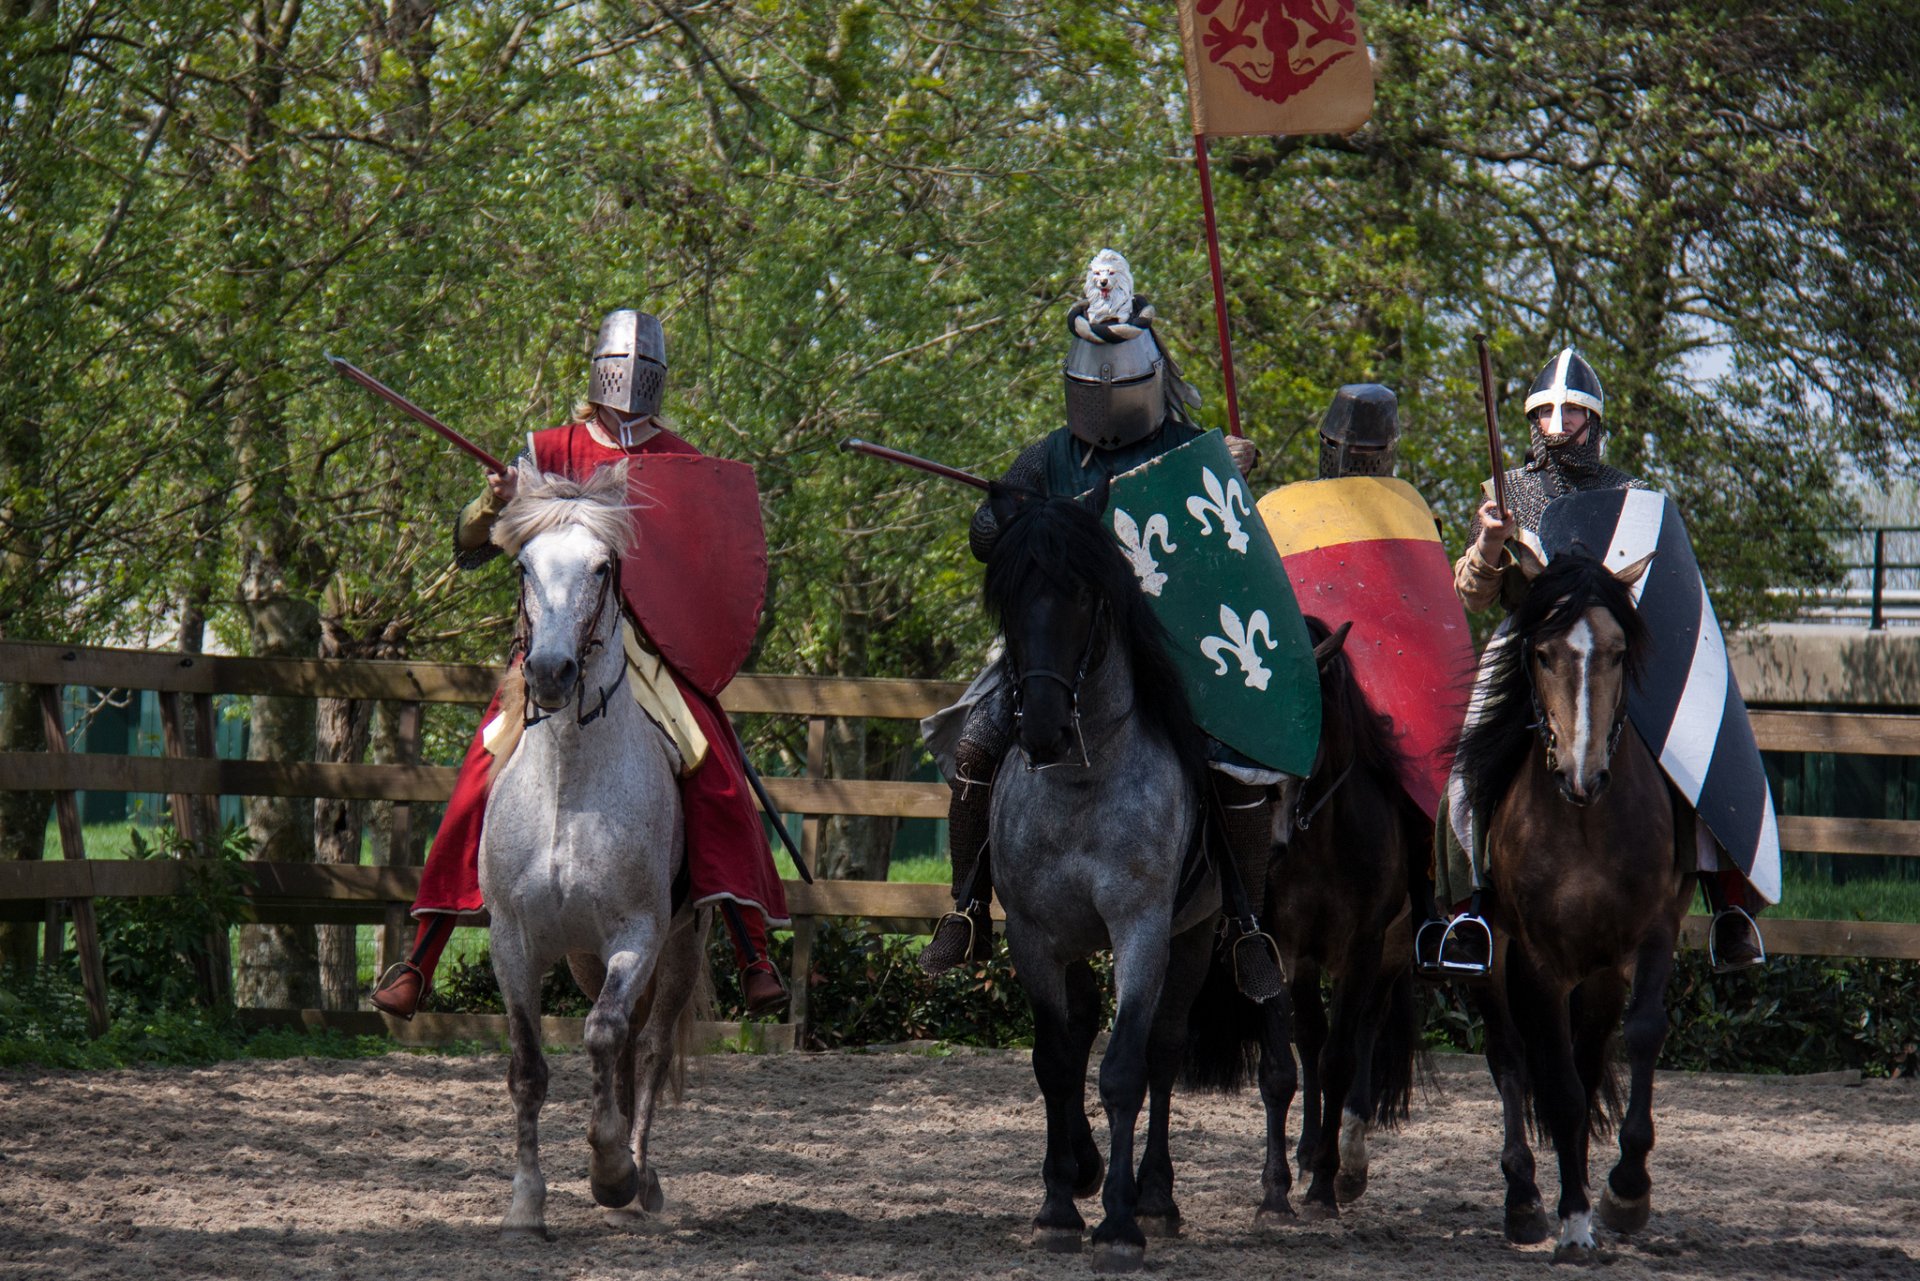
(1021, 677)
(1544, 729)
(586, 644)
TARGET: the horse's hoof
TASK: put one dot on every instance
(1623, 1215)
(651, 1198)
(1528, 1224)
(1058, 1240)
(1575, 1253)
(615, 1195)
(525, 1232)
(1090, 1187)
(1349, 1187)
(1119, 1256)
(1159, 1225)
(1318, 1212)
(1275, 1218)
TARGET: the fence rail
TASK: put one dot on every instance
(281, 893)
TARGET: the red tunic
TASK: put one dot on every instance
(727, 852)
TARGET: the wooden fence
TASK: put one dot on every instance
(359, 894)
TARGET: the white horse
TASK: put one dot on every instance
(582, 842)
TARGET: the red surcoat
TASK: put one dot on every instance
(727, 852)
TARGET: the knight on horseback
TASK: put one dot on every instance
(728, 857)
(1564, 411)
(1125, 405)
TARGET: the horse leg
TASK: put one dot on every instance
(1627, 1200)
(1339, 1061)
(526, 1081)
(1560, 1098)
(1310, 1032)
(1155, 1209)
(660, 1043)
(1350, 1179)
(1278, 1077)
(611, 1172)
(1139, 973)
(1060, 1068)
(1526, 1221)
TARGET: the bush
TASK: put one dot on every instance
(1794, 1014)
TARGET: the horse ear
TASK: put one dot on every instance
(1630, 574)
(1095, 499)
(1324, 652)
(1006, 502)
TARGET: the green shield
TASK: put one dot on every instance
(1213, 576)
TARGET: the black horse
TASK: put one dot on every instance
(1337, 904)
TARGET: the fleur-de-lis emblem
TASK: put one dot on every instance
(1138, 547)
(1239, 642)
(1220, 501)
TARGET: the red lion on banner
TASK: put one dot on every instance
(1277, 48)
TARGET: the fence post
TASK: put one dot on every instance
(73, 844)
(1879, 620)
(800, 976)
(394, 943)
(181, 807)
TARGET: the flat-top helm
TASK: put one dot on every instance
(629, 364)
(1116, 392)
(1566, 380)
(1360, 434)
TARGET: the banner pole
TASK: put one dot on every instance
(1219, 283)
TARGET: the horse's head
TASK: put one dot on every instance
(1581, 639)
(567, 537)
(1052, 582)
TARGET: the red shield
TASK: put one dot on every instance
(696, 577)
(1365, 549)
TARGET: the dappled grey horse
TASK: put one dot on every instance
(582, 842)
(1090, 841)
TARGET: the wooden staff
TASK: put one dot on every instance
(413, 411)
(854, 444)
(1495, 450)
(1219, 283)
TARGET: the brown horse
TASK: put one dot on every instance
(1337, 900)
(1587, 892)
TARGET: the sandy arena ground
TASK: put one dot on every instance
(872, 1165)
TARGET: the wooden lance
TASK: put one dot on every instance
(1495, 451)
(413, 411)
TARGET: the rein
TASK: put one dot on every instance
(583, 650)
(1020, 678)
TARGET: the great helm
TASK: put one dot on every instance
(1360, 434)
(1566, 380)
(629, 364)
(1116, 392)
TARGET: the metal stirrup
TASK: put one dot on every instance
(1713, 932)
(1462, 967)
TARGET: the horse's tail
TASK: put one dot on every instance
(1399, 1055)
(696, 1009)
(1223, 1034)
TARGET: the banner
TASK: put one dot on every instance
(1275, 66)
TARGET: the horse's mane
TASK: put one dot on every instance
(1493, 746)
(1348, 722)
(1055, 544)
(548, 500)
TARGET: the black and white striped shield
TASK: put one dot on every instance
(1687, 706)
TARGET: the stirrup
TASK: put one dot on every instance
(1425, 968)
(1265, 975)
(1466, 969)
(937, 962)
(1713, 948)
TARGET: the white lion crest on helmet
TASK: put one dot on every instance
(1109, 288)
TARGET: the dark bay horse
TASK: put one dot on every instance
(1337, 904)
(1584, 845)
(1091, 833)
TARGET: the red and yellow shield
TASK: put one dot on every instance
(696, 577)
(1364, 549)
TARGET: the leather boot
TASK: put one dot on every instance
(765, 994)
(966, 933)
(1246, 818)
(1733, 938)
(406, 982)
